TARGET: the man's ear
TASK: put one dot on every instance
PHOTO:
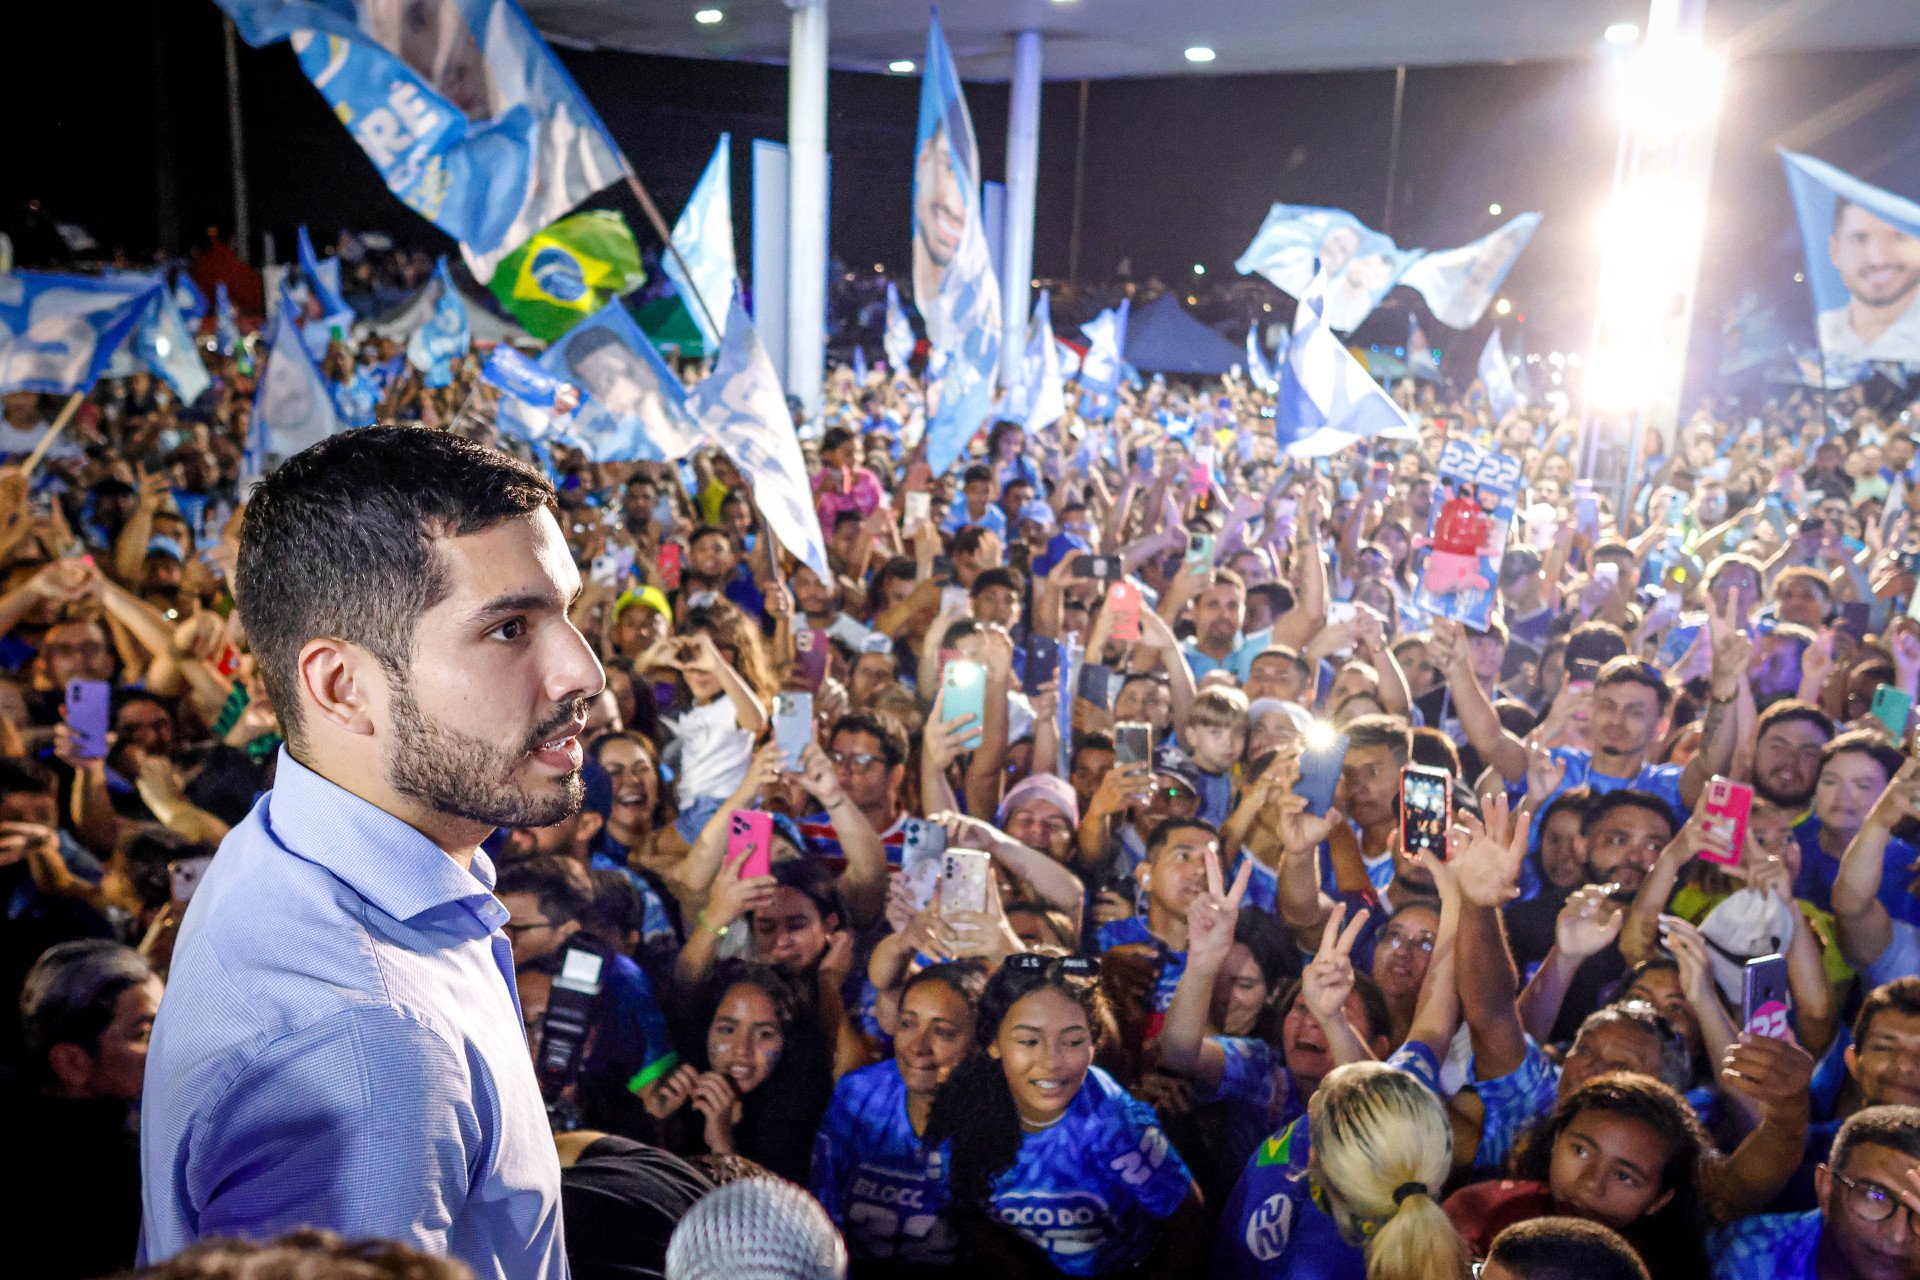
(339, 683)
(71, 1065)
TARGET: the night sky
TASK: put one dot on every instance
(123, 129)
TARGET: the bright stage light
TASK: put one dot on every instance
(1199, 269)
(1503, 308)
(901, 66)
(1199, 53)
(1622, 33)
(707, 17)
(1670, 89)
(1494, 209)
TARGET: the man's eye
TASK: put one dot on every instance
(512, 629)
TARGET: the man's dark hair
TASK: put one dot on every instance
(338, 541)
(1625, 798)
(833, 438)
(1902, 995)
(1389, 731)
(1894, 1127)
(25, 777)
(1565, 1249)
(893, 744)
(70, 993)
(1788, 710)
(561, 885)
(967, 541)
(1167, 828)
(1278, 596)
(978, 471)
(1628, 669)
(708, 531)
(1000, 577)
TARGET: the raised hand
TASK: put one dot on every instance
(1486, 856)
(1212, 915)
(1328, 980)
(1589, 923)
(671, 1093)
(1688, 948)
(1545, 771)
(1732, 651)
(714, 1098)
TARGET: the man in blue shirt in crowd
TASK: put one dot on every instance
(341, 1045)
(1865, 1227)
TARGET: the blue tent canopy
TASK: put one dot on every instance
(1163, 337)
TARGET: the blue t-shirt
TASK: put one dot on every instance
(1781, 1246)
(886, 1191)
(1093, 1189)
(1255, 1082)
(1239, 660)
(1662, 780)
(1819, 869)
(1512, 1103)
(1270, 1229)
(1133, 931)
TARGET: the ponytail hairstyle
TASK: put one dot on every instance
(1382, 1150)
(975, 1107)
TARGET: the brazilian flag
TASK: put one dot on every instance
(567, 271)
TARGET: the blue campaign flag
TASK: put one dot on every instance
(323, 277)
(1327, 401)
(530, 395)
(1104, 365)
(357, 399)
(704, 238)
(164, 344)
(859, 366)
(1459, 284)
(898, 338)
(1420, 358)
(741, 407)
(226, 327)
(293, 407)
(445, 337)
(1863, 265)
(1040, 399)
(632, 408)
(188, 297)
(953, 279)
(58, 332)
(1258, 371)
(1360, 264)
(1496, 375)
(468, 116)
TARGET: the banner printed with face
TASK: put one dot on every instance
(1361, 265)
(1863, 265)
(1472, 513)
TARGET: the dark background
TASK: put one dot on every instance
(119, 124)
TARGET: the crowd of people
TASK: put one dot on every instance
(1126, 975)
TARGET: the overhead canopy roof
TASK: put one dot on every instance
(1104, 39)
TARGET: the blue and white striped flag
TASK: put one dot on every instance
(293, 407)
(165, 345)
(446, 336)
(1258, 371)
(459, 104)
(740, 406)
(1104, 365)
(226, 327)
(1041, 398)
(704, 238)
(1496, 376)
(1327, 400)
(58, 332)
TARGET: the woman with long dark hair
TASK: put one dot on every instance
(760, 1075)
(883, 1187)
(1053, 1167)
(1623, 1150)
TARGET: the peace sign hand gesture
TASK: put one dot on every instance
(1212, 915)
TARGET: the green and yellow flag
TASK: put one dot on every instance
(567, 271)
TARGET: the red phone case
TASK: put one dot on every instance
(1124, 599)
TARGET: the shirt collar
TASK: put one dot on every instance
(390, 864)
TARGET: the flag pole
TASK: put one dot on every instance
(659, 224)
(46, 441)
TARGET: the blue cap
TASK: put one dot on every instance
(166, 546)
(1059, 547)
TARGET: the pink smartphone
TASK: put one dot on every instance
(1727, 806)
(1124, 599)
(751, 832)
(810, 651)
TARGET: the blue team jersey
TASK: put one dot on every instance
(1270, 1228)
(1093, 1189)
(1819, 869)
(1133, 931)
(885, 1191)
(1256, 1082)
(1662, 780)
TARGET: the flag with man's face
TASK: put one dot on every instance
(568, 271)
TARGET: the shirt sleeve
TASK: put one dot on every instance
(1899, 960)
(1247, 1076)
(1141, 1164)
(366, 1123)
(1512, 1102)
(828, 1176)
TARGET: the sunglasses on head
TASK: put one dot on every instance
(1069, 966)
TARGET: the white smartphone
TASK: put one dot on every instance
(963, 880)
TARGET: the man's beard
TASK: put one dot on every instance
(1780, 799)
(467, 777)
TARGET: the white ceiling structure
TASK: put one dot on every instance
(1104, 39)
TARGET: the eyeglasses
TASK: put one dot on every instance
(1069, 966)
(856, 759)
(1870, 1201)
(1400, 941)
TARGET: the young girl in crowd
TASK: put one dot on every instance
(1053, 1167)
(723, 661)
(886, 1188)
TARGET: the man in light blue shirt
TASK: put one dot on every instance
(1218, 643)
(341, 1045)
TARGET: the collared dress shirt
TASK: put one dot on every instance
(340, 1046)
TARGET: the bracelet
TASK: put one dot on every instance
(721, 932)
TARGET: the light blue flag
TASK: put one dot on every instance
(859, 366)
(1257, 369)
(897, 341)
(293, 407)
(226, 326)
(704, 237)
(632, 406)
(323, 277)
(1104, 365)
(164, 344)
(1327, 401)
(357, 399)
(58, 333)
(953, 280)
(740, 407)
(446, 336)
(459, 104)
(1863, 265)
(1496, 375)
(1420, 359)
(530, 396)
(1040, 399)
(1361, 264)
(1459, 284)
(187, 297)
